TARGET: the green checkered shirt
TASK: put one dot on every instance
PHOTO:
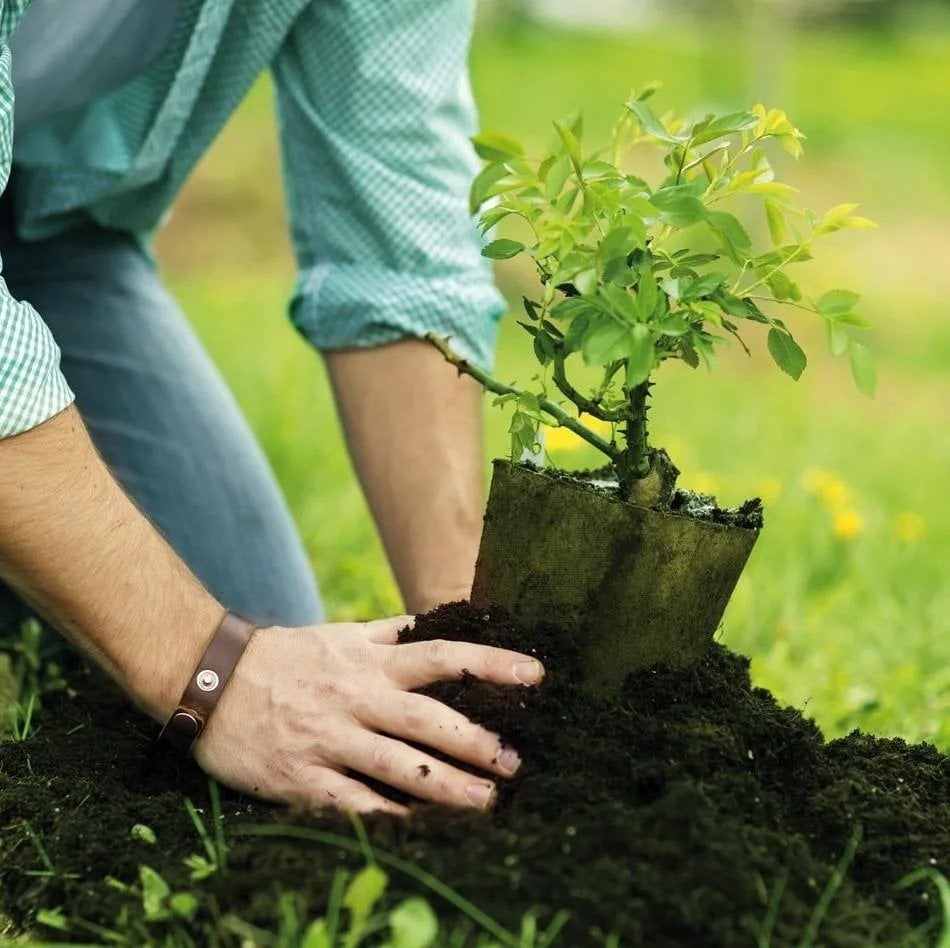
(375, 112)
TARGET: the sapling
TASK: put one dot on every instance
(634, 274)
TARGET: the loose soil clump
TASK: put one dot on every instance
(689, 810)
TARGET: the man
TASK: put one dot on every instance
(135, 555)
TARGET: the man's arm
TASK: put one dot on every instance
(375, 118)
(305, 706)
(414, 428)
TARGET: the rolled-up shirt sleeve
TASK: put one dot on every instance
(32, 388)
(375, 114)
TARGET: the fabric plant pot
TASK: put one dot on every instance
(642, 586)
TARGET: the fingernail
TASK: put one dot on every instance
(481, 794)
(529, 673)
(508, 761)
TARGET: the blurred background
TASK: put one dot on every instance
(845, 607)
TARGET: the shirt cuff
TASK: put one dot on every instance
(345, 306)
(32, 388)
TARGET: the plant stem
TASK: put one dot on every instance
(586, 406)
(492, 384)
(637, 460)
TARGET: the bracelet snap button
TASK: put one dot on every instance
(207, 680)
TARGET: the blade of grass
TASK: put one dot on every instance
(420, 875)
(831, 889)
(764, 939)
(943, 890)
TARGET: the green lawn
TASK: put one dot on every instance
(844, 608)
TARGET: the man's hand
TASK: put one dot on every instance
(304, 705)
(307, 706)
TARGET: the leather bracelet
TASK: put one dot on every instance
(208, 682)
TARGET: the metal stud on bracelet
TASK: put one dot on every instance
(208, 681)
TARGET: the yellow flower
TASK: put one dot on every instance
(831, 490)
(562, 439)
(848, 525)
(909, 527)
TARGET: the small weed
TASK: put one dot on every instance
(30, 675)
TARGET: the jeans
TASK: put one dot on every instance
(164, 421)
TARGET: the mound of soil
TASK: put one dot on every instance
(691, 810)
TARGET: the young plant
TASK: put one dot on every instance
(26, 675)
(633, 274)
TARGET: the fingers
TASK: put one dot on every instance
(331, 790)
(417, 664)
(399, 765)
(386, 631)
(426, 721)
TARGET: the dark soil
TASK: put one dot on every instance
(684, 502)
(670, 815)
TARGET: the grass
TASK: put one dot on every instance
(844, 608)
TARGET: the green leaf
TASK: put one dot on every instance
(787, 353)
(586, 282)
(53, 918)
(184, 905)
(651, 124)
(851, 319)
(606, 341)
(316, 935)
(647, 294)
(736, 240)
(641, 356)
(413, 924)
(674, 325)
(620, 302)
(598, 169)
(524, 435)
(366, 888)
(862, 368)
(838, 338)
(484, 180)
(776, 219)
(154, 892)
(557, 176)
(143, 834)
(502, 249)
(572, 307)
(836, 302)
(722, 125)
(678, 205)
(570, 140)
(696, 287)
(493, 146)
(574, 336)
(644, 93)
(621, 241)
(782, 287)
(544, 348)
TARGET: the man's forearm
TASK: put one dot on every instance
(414, 429)
(307, 710)
(75, 546)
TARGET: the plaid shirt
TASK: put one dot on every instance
(374, 110)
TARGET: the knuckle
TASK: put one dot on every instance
(435, 653)
(340, 690)
(383, 758)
